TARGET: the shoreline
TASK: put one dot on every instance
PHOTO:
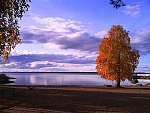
(76, 99)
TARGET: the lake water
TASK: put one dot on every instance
(84, 79)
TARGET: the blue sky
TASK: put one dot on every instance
(63, 35)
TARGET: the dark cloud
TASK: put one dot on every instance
(141, 41)
(82, 41)
(27, 41)
(36, 35)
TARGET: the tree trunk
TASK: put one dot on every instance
(118, 82)
(118, 77)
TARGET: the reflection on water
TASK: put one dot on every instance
(85, 79)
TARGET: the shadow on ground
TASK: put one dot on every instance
(76, 101)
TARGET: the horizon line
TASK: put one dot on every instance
(63, 72)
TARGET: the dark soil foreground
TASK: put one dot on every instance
(75, 99)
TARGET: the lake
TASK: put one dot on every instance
(84, 79)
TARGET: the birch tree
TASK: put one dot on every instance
(10, 12)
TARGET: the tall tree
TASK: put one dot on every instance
(10, 12)
(116, 60)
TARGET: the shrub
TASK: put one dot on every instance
(4, 77)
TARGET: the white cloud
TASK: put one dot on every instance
(58, 24)
(35, 63)
(132, 10)
(101, 34)
(51, 46)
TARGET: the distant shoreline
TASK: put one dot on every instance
(70, 72)
(48, 72)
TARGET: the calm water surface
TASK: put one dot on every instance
(84, 79)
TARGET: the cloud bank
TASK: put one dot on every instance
(67, 36)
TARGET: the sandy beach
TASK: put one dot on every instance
(75, 99)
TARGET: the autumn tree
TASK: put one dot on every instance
(116, 60)
(10, 12)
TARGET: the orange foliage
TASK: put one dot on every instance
(116, 60)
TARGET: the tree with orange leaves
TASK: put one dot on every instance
(116, 60)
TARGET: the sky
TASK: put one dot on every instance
(63, 35)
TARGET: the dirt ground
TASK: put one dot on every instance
(74, 99)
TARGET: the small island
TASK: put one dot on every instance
(4, 79)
